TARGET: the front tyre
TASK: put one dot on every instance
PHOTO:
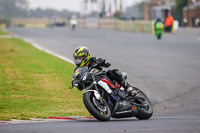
(98, 110)
(144, 112)
(159, 36)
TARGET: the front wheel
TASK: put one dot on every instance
(159, 36)
(100, 111)
(145, 111)
(73, 27)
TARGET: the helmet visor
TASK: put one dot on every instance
(78, 60)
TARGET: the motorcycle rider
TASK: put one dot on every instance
(73, 22)
(81, 57)
(158, 28)
(158, 20)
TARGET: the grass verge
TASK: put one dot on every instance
(34, 84)
(3, 33)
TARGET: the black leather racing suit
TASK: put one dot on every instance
(113, 74)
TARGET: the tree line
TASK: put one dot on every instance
(20, 8)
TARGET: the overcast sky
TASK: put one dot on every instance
(72, 5)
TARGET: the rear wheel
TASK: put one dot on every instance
(145, 111)
(159, 36)
(99, 110)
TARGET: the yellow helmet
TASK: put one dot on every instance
(81, 56)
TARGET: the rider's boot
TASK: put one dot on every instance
(117, 76)
(128, 88)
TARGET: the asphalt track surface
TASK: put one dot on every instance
(167, 70)
(157, 124)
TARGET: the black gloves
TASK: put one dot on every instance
(103, 62)
(107, 64)
(100, 61)
(77, 84)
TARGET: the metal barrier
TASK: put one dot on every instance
(2, 26)
(135, 26)
(144, 26)
(34, 22)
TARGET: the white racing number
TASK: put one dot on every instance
(85, 77)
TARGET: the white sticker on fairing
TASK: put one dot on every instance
(105, 86)
(96, 94)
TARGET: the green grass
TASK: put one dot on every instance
(3, 33)
(34, 84)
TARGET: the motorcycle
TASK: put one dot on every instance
(159, 29)
(105, 98)
(73, 27)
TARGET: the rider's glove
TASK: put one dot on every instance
(100, 61)
(103, 62)
(77, 84)
(107, 64)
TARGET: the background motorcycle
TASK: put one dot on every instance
(159, 29)
(104, 98)
(73, 27)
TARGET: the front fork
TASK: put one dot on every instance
(96, 92)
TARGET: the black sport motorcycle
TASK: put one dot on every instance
(105, 98)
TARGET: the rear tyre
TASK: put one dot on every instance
(99, 111)
(73, 27)
(159, 36)
(146, 112)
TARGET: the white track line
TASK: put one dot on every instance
(43, 49)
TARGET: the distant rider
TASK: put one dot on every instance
(73, 22)
(159, 28)
(158, 20)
